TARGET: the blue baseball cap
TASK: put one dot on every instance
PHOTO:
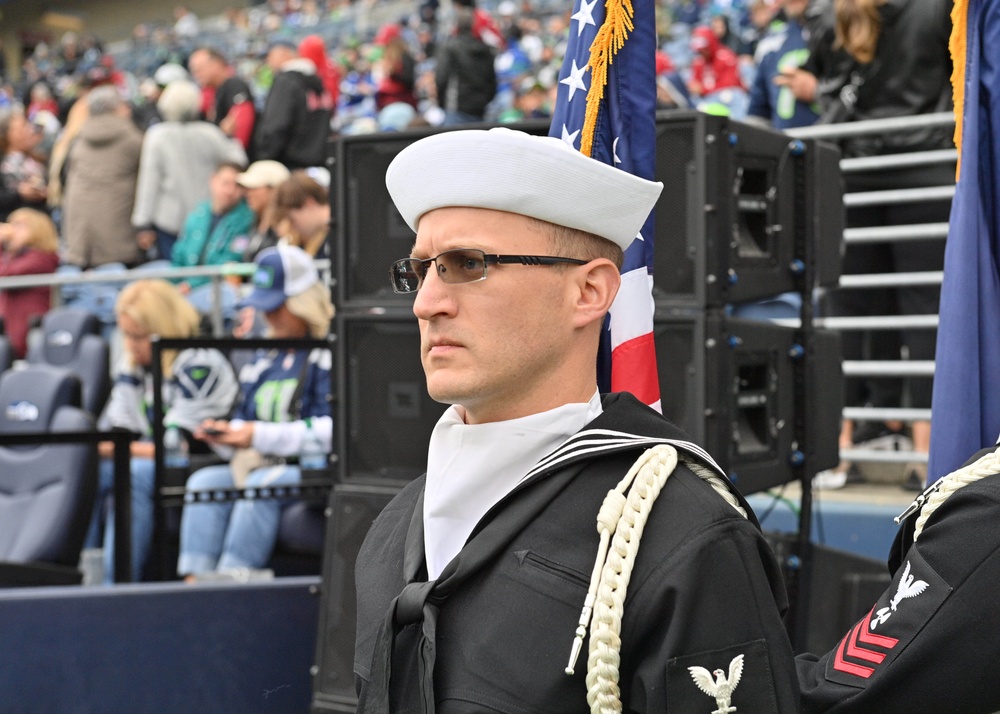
(282, 272)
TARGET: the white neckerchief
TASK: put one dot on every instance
(471, 467)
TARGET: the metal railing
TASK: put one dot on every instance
(216, 274)
(888, 234)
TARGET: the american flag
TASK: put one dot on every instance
(606, 108)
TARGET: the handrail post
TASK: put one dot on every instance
(217, 325)
(122, 441)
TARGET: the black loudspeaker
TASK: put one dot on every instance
(385, 414)
(825, 215)
(733, 385)
(842, 587)
(740, 207)
(351, 511)
(370, 233)
(729, 383)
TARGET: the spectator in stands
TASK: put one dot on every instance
(464, 76)
(719, 25)
(782, 50)
(198, 384)
(68, 60)
(146, 113)
(28, 245)
(760, 14)
(714, 66)
(41, 100)
(270, 423)
(295, 124)
(893, 59)
(178, 158)
(22, 175)
(394, 71)
(76, 115)
(261, 179)
(217, 231)
(227, 100)
(484, 25)
(671, 90)
(306, 205)
(186, 22)
(313, 48)
(99, 191)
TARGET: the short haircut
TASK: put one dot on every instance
(574, 243)
(180, 101)
(213, 54)
(103, 100)
(296, 189)
(237, 167)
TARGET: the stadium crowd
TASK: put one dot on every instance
(202, 143)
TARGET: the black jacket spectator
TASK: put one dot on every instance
(295, 124)
(465, 77)
(909, 74)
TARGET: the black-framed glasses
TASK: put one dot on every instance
(462, 265)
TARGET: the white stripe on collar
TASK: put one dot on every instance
(591, 441)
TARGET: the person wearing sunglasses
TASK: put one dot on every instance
(476, 584)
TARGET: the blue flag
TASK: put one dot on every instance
(965, 415)
(606, 108)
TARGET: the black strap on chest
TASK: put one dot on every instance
(420, 601)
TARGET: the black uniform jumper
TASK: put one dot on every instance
(494, 631)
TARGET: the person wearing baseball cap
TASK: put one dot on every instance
(481, 581)
(260, 181)
(271, 423)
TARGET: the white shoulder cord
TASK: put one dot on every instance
(986, 466)
(605, 602)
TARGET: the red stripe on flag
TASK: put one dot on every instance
(633, 369)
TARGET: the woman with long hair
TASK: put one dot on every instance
(197, 384)
(28, 245)
(285, 403)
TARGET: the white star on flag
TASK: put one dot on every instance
(569, 138)
(575, 79)
(614, 150)
(584, 16)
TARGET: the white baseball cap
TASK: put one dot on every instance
(263, 173)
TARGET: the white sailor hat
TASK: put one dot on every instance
(508, 170)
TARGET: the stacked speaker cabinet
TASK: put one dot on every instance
(746, 214)
(352, 509)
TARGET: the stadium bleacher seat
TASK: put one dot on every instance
(46, 491)
(71, 338)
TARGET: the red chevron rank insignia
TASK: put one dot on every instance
(856, 645)
(882, 635)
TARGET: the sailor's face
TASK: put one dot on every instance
(495, 345)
